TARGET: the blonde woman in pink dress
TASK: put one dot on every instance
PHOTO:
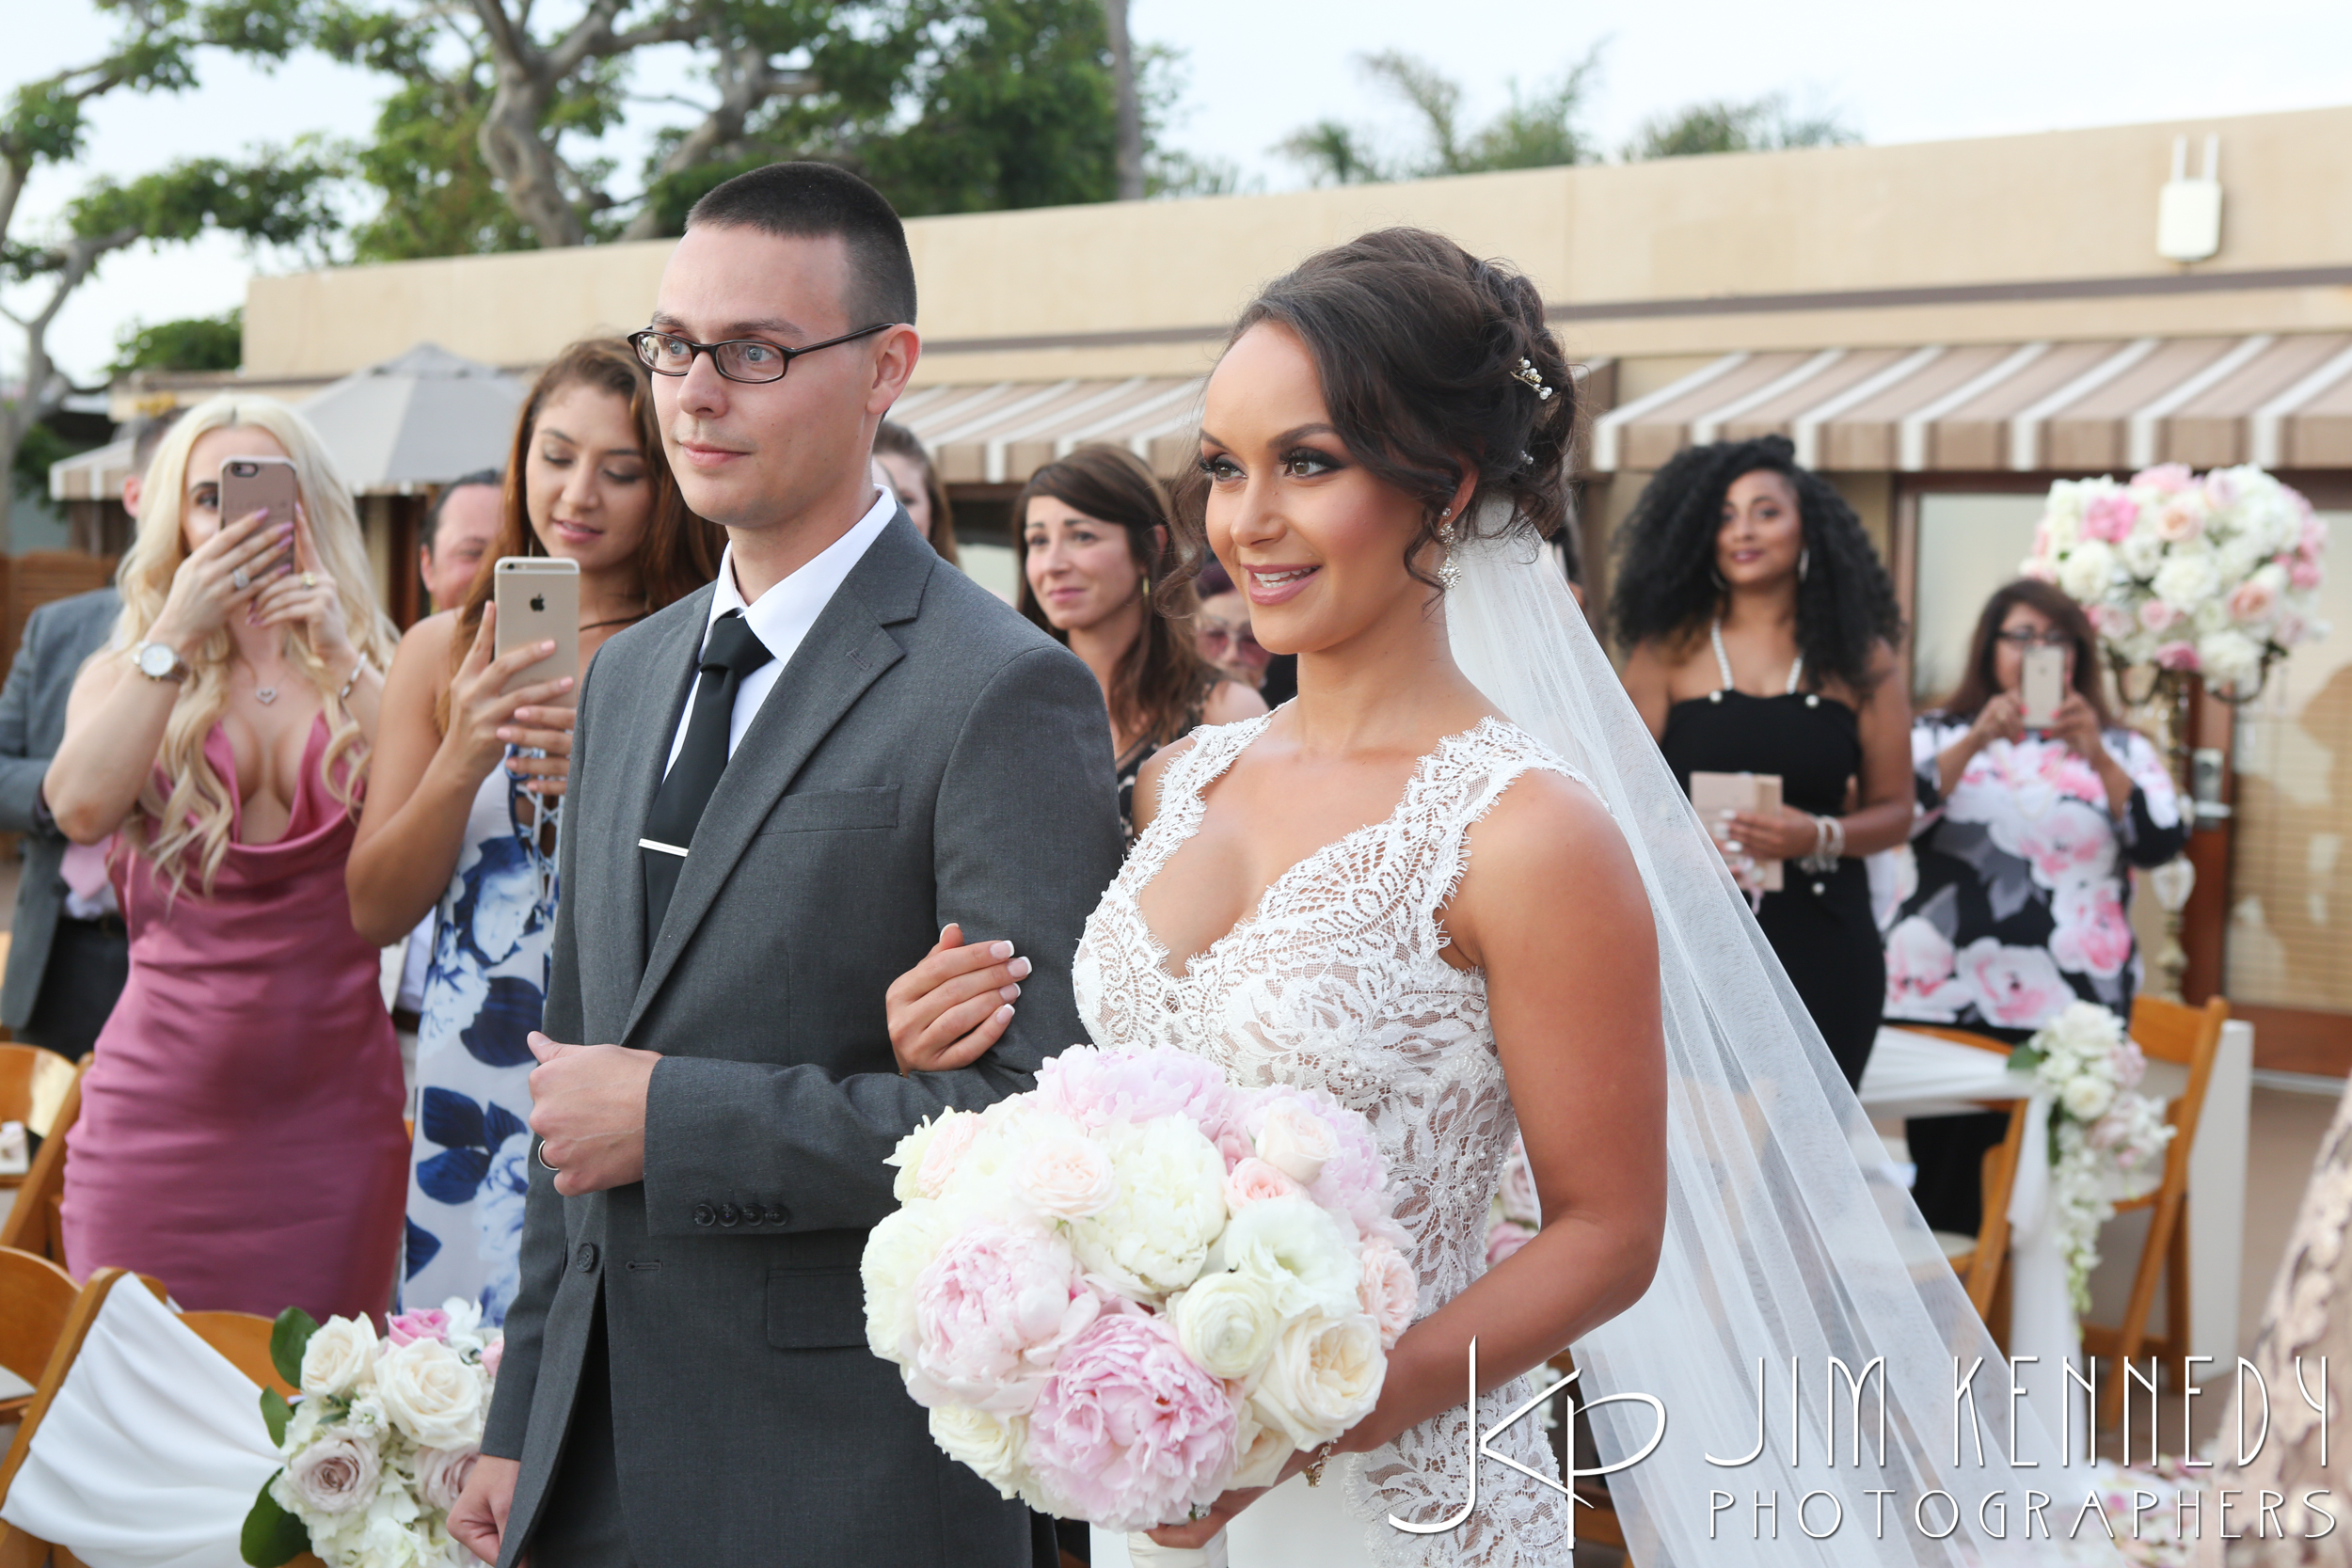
(240, 1136)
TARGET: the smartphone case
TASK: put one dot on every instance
(538, 599)
(1754, 793)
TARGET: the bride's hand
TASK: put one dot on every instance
(947, 1010)
(1195, 1533)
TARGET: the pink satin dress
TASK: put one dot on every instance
(240, 1136)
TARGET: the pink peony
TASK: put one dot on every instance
(428, 1323)
(1253, 1181)
(2110, 518)
(991, 1313)
(2178, 655)
(1391, 1290)
(2091, 935)
(2017, 988)
(949, 1144)
(1094, 1087)
(441, 1475)
(2252, 600)
(1503, 1238)
(2304, 572)
(2159, 617)
(1128, 1433)
(2167, 477)
(492, 1354)
(1350, 1181)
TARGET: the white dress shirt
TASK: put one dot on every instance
(781, 617)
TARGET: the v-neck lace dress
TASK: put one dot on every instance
(1336, 981)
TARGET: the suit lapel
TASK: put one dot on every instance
(644, 747)
(844, 653)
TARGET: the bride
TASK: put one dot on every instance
(1451, 883)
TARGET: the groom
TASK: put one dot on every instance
(782, 787)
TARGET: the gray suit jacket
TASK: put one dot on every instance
(926, 757)
(58, 638)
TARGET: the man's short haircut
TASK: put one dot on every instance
(147, 433)
(809, 201)
(490, 477)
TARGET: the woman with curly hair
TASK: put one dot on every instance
(240, 1135)
(1761, 631)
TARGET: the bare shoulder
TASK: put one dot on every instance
(1147, 802)
(1229, 703)
(1546, 852)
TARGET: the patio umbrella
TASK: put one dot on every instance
(423, 418)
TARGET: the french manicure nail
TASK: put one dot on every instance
(1010, 993)
(1000, 950)
(1005, 1011)
(1019, 968)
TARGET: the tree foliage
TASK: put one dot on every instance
(192, 343)
(1722, 125)
(1540, 129)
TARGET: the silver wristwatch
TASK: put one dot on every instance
(159, 661)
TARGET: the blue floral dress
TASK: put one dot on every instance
(469, 1164)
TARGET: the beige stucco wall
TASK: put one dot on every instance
(2063, 205)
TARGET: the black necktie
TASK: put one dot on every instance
(731, 651)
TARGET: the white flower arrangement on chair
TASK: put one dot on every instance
(2106, 1139)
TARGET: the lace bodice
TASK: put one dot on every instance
(1336, 981)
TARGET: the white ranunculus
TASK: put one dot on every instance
(2142, 552)
(990, 1445)
(2086, 570)
(1227, 1323)
(1164, 1214)
(2087, 1097)
(431, 1394)
(1297, 1142)
(1324, 1377)
(335, 1475)
(340, 1358)
(1299, 1251)
(897, 1250)
(1064, 1173)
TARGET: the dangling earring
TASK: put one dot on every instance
(1805, 561)
(1147, 588)
(1448, 572)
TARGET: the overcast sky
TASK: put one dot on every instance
(1255, 70)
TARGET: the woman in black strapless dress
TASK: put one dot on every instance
(1761, 631)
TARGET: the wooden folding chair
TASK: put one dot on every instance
(2190, 1036)
(35, 1298)
(1981, 1259)
(36, 1225)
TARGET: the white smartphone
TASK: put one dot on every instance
(538, 600)
(2043, 688)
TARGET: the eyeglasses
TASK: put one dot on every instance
(745, 359)
(2052, 638)
(1215, 639)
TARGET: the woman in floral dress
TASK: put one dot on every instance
(2024, 845)
(463, 816)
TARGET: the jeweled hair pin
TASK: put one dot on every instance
(1533, 377)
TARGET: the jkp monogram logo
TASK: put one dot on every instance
(1481, 1448)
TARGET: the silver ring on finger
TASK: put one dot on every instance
(543, 1156)
(238, 580)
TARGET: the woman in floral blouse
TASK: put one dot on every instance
(2024, 843)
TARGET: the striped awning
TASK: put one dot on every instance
(1000, 433)
(2284, 402)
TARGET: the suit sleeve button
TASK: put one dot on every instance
(729, 1214)
(778, 1215)
(751, 1213)
(706, 1215)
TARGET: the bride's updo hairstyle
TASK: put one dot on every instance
(1425, 354)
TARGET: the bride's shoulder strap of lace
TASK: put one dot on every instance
(1211, 750)
(1481, 765)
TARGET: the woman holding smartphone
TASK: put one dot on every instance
(240, 1133)
(2030, 822)
(469, 771)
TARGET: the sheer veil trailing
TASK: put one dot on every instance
(1786, 1241)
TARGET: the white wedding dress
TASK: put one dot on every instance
(1335, 982)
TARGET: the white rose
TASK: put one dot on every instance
(1165, 1209)
(340, 1358)
(2230, 659)
(1260, 1451)
(2086, 1098)
(1065, 1175)
(990, 1445)
(2184, 581)
(2086, 570)
(1299, 1251)
(1324, 1377)
(1297, 1142)
(897, 1250)
(335, 1475)
(1227, 1323)
(1388, 1290)
(431, 1394)
(2142, 552)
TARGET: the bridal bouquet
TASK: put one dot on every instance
(379, 1444)
(2107, 1139)
(1137, 1286)
(2214, 575)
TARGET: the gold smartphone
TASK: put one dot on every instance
(538, 600)
(249, 484)
(2041, 686)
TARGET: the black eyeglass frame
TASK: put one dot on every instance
(638, 342)
(2054, 638)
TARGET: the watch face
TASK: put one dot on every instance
(156, 661)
